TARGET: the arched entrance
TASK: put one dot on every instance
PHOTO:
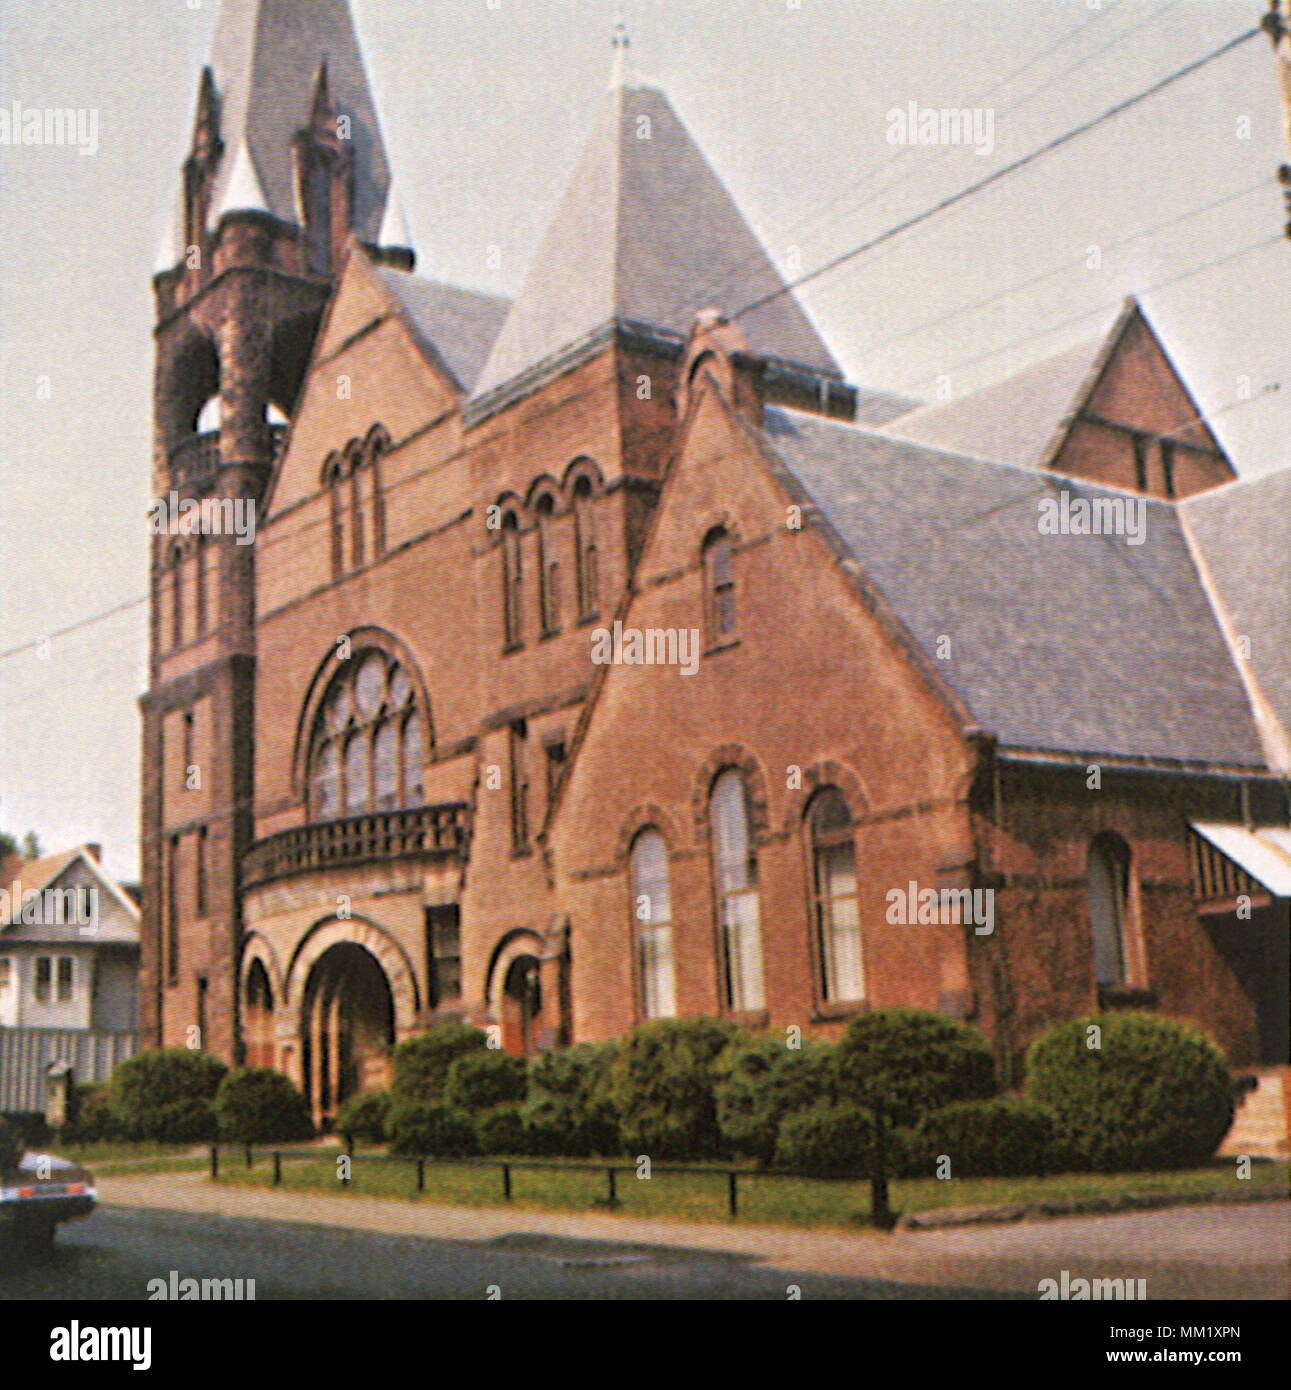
(257, 1016)
(522, 1006)
(347, 1027)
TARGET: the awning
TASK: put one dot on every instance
(1261, 853)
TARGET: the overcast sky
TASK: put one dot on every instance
(484, 110)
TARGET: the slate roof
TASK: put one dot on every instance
(459, 325)
(646, 234)
(265, 60)
(1013, 420)
(1070, 644)
(1243, 530)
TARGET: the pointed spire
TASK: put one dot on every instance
(243, 192)
(275, 64)
(646, 234)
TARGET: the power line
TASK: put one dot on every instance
(1098, 309)
(1065, 266)
(75, 627)
(983, 183)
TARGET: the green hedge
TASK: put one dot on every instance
(1152, 1094)
(906, 1063)
(500, 1130)
(166, 1096)
(438, 1131)
(663, 1088)
(261, 1106)
(826, 1140)
(983, 1139)
(478, 1081)
(365, 1118)
(762, 1081)
(421, 1064)
(569, 1111)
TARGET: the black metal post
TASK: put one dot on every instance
(612, 1200)
(215, 1161)
(277, 1168)
(248, 1155)
(421, 1175)
(506, 1181)
(733, 1178)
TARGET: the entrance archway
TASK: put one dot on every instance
(522, 1006)
(347, 1027)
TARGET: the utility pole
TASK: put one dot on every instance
(1277, 24)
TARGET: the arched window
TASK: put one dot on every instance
(735, 871)
(356, 517)
(548, 566)
(652, 912)
(585, 546)
(512, 580)
(1109, 906)
(376, 449)
(203, 551)
(838, 921)
(333, 473)
(369, 741)
(719, 586)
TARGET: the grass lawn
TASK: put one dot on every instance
(120, 1156)
(764, 1199)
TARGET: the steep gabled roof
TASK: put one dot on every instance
(1078, 645)
(458, 325)
(266, 60)
(66, 869)
(646, 234)
(1243, 531)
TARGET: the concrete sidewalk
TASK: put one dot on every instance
(1184, 1252)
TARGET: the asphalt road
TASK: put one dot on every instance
(114, 1253)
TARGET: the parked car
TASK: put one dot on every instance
(37, 1191)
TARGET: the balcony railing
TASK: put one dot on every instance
(379, 837)
(197, 459)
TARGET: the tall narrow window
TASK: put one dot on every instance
(338, 523)
(327, 782)
(735, 870)
(585, 546)
(1167, 465)
(66, 978)
(186, 769)
(199, 874)
(356, 518)
(44, 977)
(518, 736)
(200, 580)
(719, 586)
(548, 568)
(444, 948)
(1109, 902)
(358, 775)
(512, 581)
(385, 767)
(414, 755)
(838, 922)
(652, 911)
(177, 597)
(172, 911)
(1140, 463)
(378, 501)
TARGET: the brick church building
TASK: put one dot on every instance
(605, 655)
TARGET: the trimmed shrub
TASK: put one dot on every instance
(570, 1110)
(11, 1146)
(826, 1140)
(158, 1095)
(663, 1088)
(1154, 1094)
(999, 1138)
(421, 1064)
(89, 1117)
(365, 1118)
(762, 1081)
(419, 1130)
(478, 1081)
(183, 1122)
(500, 1130)
(906, 1063)
(261, 1106)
